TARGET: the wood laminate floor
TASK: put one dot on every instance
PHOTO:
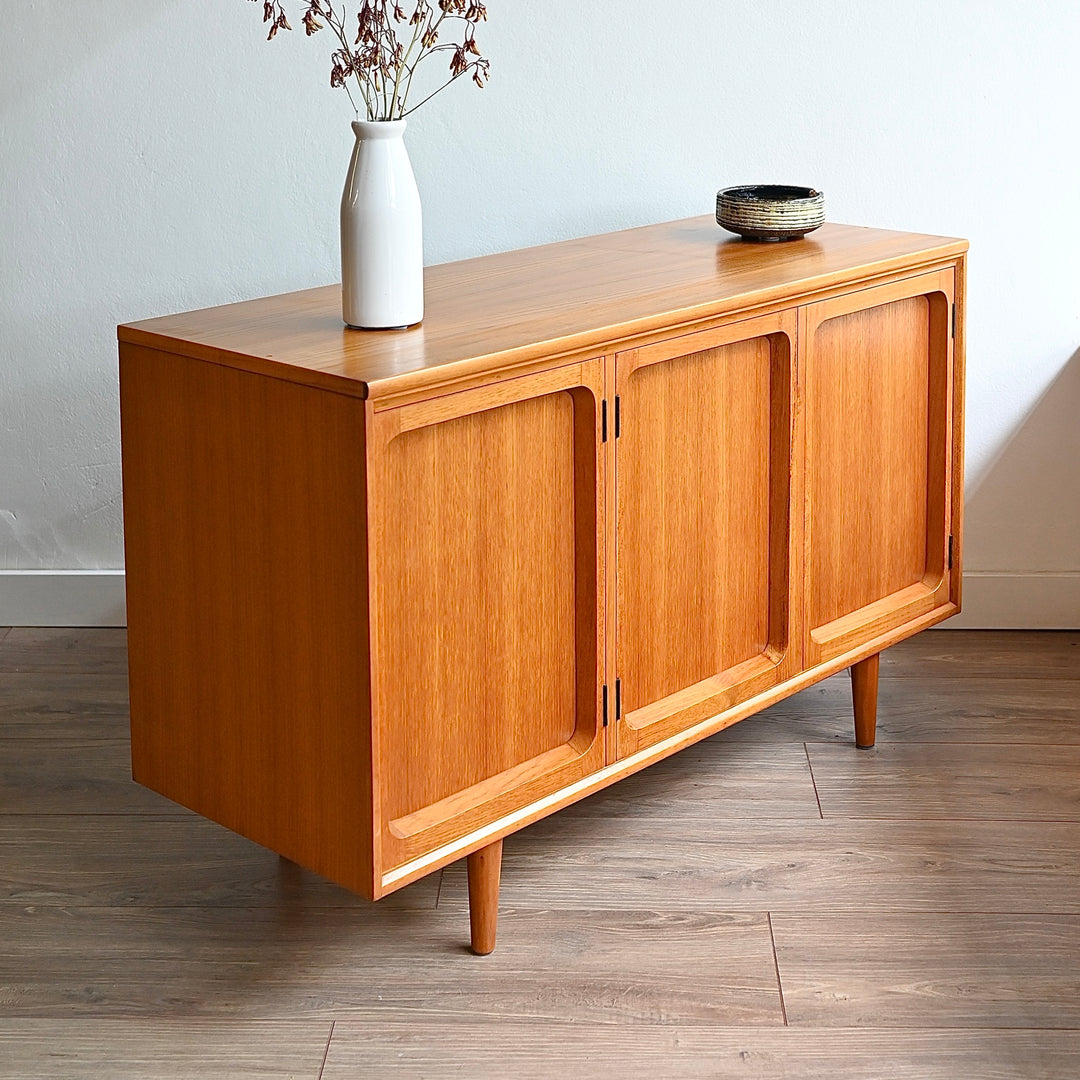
(771, 903)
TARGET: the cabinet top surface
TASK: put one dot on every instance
(501, 311)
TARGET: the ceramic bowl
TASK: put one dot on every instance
(770, 211)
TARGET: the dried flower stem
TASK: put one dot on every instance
(338, 26)
(382, 65)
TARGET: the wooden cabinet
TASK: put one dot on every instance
(393, 596)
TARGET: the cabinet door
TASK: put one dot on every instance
(878, 388)
(485, 567)
(703, 482)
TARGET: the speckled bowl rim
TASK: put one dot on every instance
(799, 196)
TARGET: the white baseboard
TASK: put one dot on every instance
(1021, 601)
(998, 601)
(62, 598)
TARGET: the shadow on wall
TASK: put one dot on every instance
(1022, 522)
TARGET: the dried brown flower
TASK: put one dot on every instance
(376, 61)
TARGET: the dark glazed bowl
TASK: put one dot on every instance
(770, 211)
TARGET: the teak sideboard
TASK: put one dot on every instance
(395, 595)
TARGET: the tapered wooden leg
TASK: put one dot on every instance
(485, 866)
(864, 680)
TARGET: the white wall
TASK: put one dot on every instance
(162, 156)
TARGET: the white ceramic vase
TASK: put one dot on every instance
(382, 238)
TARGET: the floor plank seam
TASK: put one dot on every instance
(180, 816)
(1011, 743)
(956, 817)
(969, 677)
(326, 1051)
(810, 766)
(776, 965)
(438, 890)
(65, 905)
(159, 817)
(917, 912)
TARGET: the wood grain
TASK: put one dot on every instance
(247, 605)
(56, 650)
(949, 781)
(484, 868)
(73, 775)
(867, 398)
(59, 1049)
(486, 606)
(264, 963)
(716, 779)
(987, 655)
(798, 866)
(59, 706)
(703, 475)
(503, 311)
(616, 771)
(894, 927)
(467, 649)
(864, 694)
(981, 970)
(694, 483)
(957, 394)
(944, 710)
(134, 860)
(876, 378)
(534, 1051)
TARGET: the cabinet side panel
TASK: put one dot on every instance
(246, 576)
(694, 518)
(867, 457)
(479, 537)
(957, 432)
